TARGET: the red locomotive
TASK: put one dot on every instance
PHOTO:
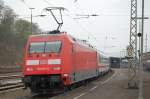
(57, 60)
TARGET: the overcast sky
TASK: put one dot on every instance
(110, 28)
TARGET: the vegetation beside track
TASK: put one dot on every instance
(13, 34)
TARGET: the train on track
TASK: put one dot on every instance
(147, 65)
(56, 61)
(146, 60)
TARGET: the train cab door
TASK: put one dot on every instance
(73, 63)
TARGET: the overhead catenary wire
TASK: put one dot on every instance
(90, 35)
(69, 15)
(77, 22)
(50, 4)
(25, 3)
(79, 8)
(83, 28)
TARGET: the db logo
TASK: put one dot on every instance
(43, 61)
(43, 55)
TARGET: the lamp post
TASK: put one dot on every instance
(141, 57)
(31, 18)
(122, 55)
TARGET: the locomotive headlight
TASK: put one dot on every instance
(32, 62)
(29, 69)
(66, 75)
(54, 61)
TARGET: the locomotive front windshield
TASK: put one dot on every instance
(53, 47)
(41, 47)
(36, 47)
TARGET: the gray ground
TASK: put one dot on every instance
(112, 86)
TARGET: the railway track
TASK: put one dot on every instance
(8, 83)
(9, 70)
(11, 87)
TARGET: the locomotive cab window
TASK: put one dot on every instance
(41, 47)
(36, 47)
(53, 47)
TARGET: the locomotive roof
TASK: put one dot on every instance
(47, 34)
(62, 34)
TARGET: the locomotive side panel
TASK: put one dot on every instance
(85, 63)
(67, 66)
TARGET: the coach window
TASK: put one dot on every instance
(53, 47)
